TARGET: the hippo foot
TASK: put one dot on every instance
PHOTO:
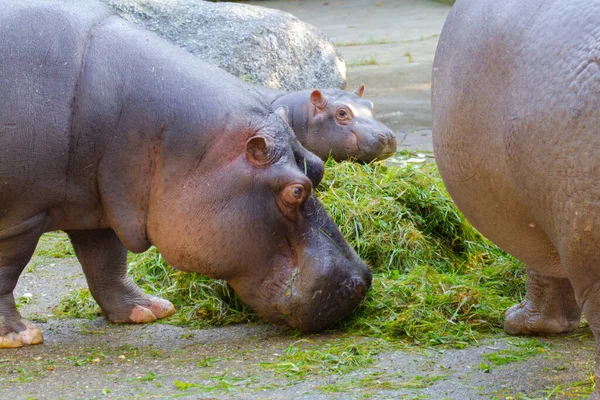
(29, 336)
(147, 310)
(525, 319)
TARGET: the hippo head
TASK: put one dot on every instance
(342, 124)
(239, 206)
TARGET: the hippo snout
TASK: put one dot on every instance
(334, 295)
(360, 285)
(388, 139)
(385, 137)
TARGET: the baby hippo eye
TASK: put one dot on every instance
(343, 114)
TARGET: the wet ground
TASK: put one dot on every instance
(92, 359)
(95, 359)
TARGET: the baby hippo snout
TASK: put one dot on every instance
(388, 139)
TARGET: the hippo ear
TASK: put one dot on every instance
(258, 151)
(283, 111)
(359, 92)
(318, 100)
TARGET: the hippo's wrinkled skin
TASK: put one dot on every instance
(125, 141)
(516, 133)
(335, 122)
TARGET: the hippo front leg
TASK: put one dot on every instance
(15, 253)
(104, 261)
(549, 307)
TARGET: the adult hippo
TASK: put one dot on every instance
(125, 141)
(516, 105)
(336, 123)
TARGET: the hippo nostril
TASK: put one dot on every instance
(383, 138)
(391, 142)
(361, 285)
(361, 290)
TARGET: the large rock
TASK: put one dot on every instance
(263, 46)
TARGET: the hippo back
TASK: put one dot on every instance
(43, 46)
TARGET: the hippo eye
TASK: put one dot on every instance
(343, 114)
(292, 197)
(293, 194)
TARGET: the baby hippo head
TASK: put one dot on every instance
(342, 124)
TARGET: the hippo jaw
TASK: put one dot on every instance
(372, 144)
(312, 284)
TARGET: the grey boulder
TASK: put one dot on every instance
(262, 46)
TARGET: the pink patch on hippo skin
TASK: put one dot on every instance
(162, 308)
(11, 340)
(30, 336)
(141, 315)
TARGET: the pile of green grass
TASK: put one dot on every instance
(436, 280)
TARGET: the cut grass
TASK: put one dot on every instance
(520, 351)
(437, 281)
(304, 357)
(78, 304)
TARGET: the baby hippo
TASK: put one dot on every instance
(336, 123)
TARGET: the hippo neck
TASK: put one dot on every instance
(147, 121)
(299, 107)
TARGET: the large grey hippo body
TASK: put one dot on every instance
(516, 130)
(335, 123)
(125, 141)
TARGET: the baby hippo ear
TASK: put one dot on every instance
(259, 151)
(359, 92)
(318, 100)
(283, 111)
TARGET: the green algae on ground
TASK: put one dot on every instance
(520, 351)
(437, 281)
(305, 357)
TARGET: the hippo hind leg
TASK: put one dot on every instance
(104, 261)
(549, 307)
(15, 253)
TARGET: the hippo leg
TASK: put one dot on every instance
(104, 261)
(549, 307)
(15, 253)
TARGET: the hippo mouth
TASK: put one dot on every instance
(298, 301)
(327, 306)
(379, 153)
